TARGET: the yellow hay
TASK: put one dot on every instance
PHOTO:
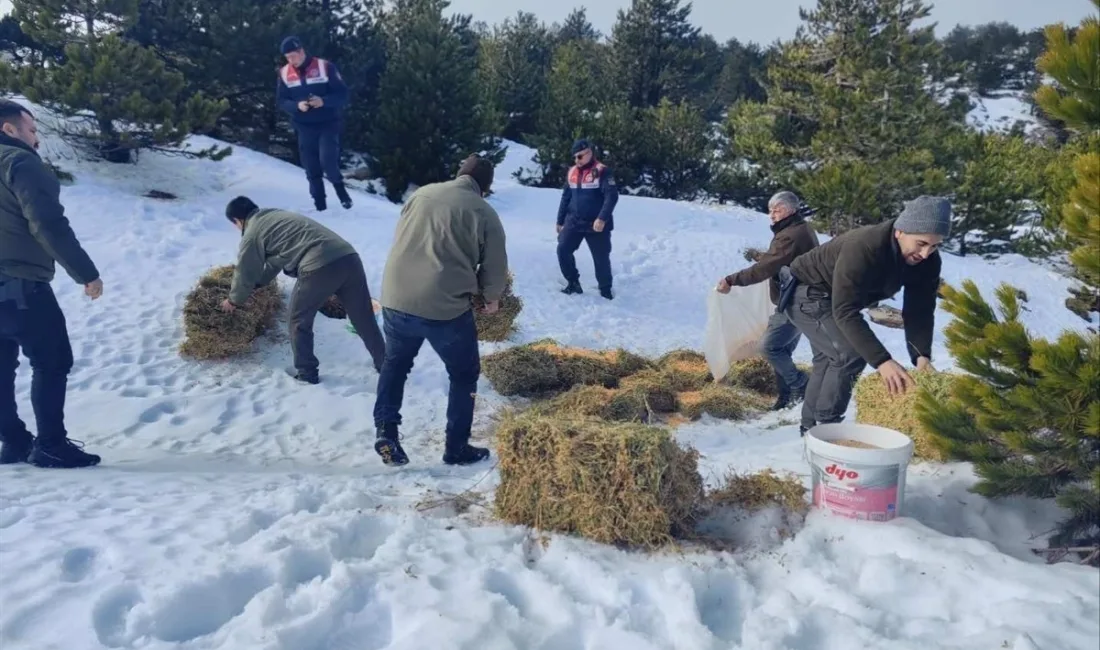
(875, 405)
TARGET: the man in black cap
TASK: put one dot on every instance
(449, 247)
(311, 90)
(585, 214)
(828, 287)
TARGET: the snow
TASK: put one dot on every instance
(1001, 112)
(236, 509)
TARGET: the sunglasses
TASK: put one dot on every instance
(580, 155)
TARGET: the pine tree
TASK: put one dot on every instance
(576, 28)
(1027, 415)
(428, 118)
(515, 63)
(656, 53)
(135, 101)
(678, 150)
(1074, 99)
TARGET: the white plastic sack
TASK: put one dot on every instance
(736, 323)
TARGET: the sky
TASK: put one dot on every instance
(764, 21)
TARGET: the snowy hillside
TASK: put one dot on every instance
(236, 509)
(1001, 112)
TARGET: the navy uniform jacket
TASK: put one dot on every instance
(590, 193)
(318, 77)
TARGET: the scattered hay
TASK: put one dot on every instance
(753, 492)
(543, 367)
(639, 398)
(653, 388)
(499, 325)
(716, 400)
(685, 370)
(755, 374)
(334, 309)
(626, 484)
(213, 334)
(875, 405)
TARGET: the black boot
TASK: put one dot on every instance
(465, 455)
(782, 402)
(572, 288)
(387, 444)
(65, 454)
(342, 194)
(320, 203)
(606, 293)
(304, 377)
(16, 450)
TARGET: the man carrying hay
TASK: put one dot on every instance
(448, 248)
(35, 235)
(324, 265)
(830, 285)
(793, 237)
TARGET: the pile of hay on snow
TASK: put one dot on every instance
(640, 397)
(211, 333)
(718, 401)
(757, 375)
(333, 308)
(499, 325)
(685, 370)
(875, 405)
(614, 483)
(544, 367)
(764, 489)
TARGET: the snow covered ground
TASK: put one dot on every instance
(236, 509)
(1001, 112)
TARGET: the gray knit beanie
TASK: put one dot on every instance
(926, 215)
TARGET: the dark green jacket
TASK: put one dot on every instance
(280, 240)
(864, 266)
(34, 232)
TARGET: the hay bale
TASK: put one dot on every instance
(754, 374)
(686, 370)
(716, 400)
(591, 367)
(211, 333)
(627, 484)
(525, 370)
(875, 405)
(610, 404)
(499, 325)
(333, 308)
(652, 388)
(763, 489)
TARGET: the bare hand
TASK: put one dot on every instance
(316, 102)
(94, 289)
(303, 106)
(560, 228)
(723, 286)
(491, 307)
(896, 378)
(598, 225)
(923, 363)
(228, 307)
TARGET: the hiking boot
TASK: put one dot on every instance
(465, 455)
(304, 377)
(66, 454)
(387, 444)
(572, 288)
(342, 194)
(320, 204)
(16, 451)
(606, 293)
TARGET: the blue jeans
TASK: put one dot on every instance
(780, 341)
(455, 341)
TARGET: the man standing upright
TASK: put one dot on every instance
(312, 92)
(585, 214)
(34, 234)
(793, 237)
(829, 286)
(448, 248)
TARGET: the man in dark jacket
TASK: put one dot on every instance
(34, 233)
(793, 237)
(324, 265)
(312, 92)
(585, 214)
(829, 286)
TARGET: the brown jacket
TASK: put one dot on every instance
(449, 247)
(864, 266)
(793, 237)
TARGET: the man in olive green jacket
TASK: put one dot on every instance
(448, 248)
(324, 265)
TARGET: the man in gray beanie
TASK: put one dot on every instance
(827, 288)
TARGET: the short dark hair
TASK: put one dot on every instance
(240, 209)
(10, 110)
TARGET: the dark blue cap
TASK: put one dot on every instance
(581, 145)
(290, 44)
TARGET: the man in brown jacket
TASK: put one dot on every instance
(828, 288)
(793, 237)
(448, 248)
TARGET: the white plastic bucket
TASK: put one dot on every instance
(855, 482)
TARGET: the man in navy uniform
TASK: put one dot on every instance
(311, 90)
(585, 214)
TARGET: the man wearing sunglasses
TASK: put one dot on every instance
(585, 215)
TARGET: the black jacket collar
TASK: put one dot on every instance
(6, 139)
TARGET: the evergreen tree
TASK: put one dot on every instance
(428, 118)
(514, 64)
(135, 101)
(678, 151)
(576, 28)
(1027, 415)
(657, 53)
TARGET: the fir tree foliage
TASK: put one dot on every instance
(515, 63)
(1027, 415)
(656, 53)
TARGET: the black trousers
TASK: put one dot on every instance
(599, 244)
